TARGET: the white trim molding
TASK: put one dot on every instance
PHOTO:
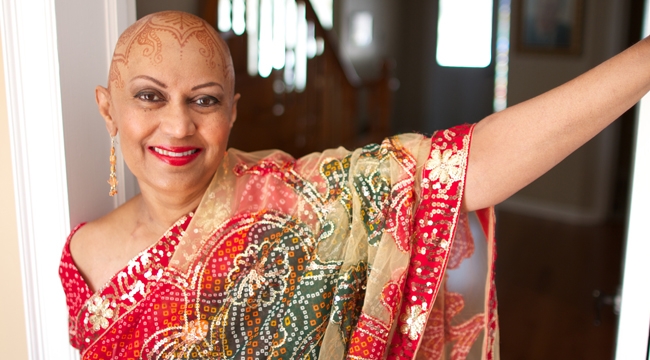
(29, 39)
(632, 341)
(55, 53)
(634, 320)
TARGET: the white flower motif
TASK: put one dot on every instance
(259, 274)
(444, 166)
(195, 331)
(100, 312)
(414, 321)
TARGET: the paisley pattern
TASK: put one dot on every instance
(335, 255)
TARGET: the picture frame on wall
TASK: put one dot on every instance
(550, 26)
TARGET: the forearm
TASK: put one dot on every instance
(512, 148)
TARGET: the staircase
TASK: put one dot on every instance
(336, 108)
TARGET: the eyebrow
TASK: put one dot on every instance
(208, 84)
(164, 86)
(154, 80)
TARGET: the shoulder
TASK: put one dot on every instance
(90, 245)
(98, 231)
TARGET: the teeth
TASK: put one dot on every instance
(174, 154)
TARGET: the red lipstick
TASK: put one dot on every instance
(175, 156)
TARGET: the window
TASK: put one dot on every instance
(464, 33)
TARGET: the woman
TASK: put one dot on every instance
(339, 254)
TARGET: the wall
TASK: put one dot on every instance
(368, 60)
(145, 7)
(451, 95)
(87, 142)
(46, 79)
(430, 97)
(13, 338)
(416, 50)
(403, 35)
(580, 188)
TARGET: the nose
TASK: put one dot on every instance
(177, 121)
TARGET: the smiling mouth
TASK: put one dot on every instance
(174, 153)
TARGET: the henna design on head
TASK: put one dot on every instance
(179, 25)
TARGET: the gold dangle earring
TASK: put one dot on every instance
(112, 179)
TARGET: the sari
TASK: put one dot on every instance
(336, 255)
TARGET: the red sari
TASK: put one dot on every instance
(359, 255)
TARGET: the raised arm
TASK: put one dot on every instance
(513, 147)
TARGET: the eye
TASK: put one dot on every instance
(148, 96)
(206, 101)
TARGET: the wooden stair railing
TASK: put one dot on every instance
(335, 109)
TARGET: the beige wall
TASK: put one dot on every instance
(573, 184)
(13, 340)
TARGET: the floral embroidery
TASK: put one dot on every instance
(100, 313)
(262, 276)
(195, 331)
(436, 222)
(414, 321)
(445, 166)
(264, 271)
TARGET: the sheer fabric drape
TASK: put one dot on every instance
(334, 255)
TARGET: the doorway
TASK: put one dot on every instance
(47, 324)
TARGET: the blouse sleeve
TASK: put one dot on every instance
(75, 288)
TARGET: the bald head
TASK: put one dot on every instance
(170, 36)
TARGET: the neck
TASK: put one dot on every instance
(158, 211)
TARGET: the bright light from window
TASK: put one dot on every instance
(465, 33)
(238, 17)
(279, 35)
(265, 64)
(223, 23)
(301, 49)
(291, 16)
(361, 28)
(324, 11)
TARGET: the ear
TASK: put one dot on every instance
(103, 99)
(233, 115)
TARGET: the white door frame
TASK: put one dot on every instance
(38, 160)
(42, 110)
(634, 320)
(36, 104)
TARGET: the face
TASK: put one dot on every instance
(171, 99)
